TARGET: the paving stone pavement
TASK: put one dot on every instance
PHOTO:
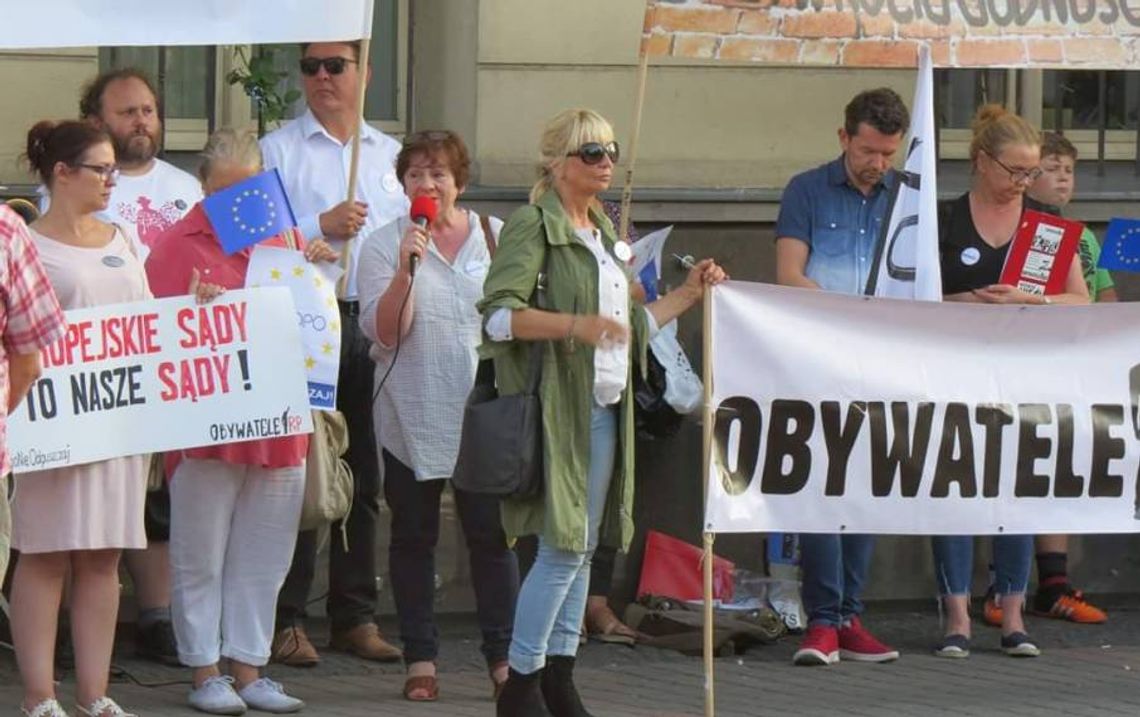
(1085, 671)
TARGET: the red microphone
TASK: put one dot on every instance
(424, 211)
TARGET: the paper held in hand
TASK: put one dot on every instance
(1041, 253)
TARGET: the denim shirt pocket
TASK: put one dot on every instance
(833, 236)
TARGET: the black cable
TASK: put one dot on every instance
(399, 336)
(376, 394)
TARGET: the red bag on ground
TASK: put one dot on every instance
(672, 568)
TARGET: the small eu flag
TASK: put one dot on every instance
(249, 211)
(1121, 251)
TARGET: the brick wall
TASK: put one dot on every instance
(1103, 34)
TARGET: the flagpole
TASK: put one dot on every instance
(635, 132)
(706, 457)
(354, 162)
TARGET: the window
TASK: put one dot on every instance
(958, 93)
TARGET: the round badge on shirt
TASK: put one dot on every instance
(390, 183)
(115, 262)
(623, 251)
(970, 256)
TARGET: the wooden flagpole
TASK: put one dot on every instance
(635, 132)
(354, 161)
(706, 457)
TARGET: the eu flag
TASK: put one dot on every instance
(249, 211)
(1121, 251)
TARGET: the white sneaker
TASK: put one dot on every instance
(104, 707)
(217, 696)
(47, 708)
(269, 696)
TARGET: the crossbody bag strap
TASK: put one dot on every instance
(488, 235)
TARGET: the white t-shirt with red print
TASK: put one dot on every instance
(147, 204)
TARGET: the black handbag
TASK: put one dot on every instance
(500, 447)
(652, 414)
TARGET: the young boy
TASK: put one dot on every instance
(1055, 596)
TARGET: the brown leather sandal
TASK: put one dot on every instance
(496, 685)
(603, 625)
(421, 688)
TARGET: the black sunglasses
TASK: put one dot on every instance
(333, 65)
(592, 152)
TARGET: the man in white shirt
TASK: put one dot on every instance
(312, 154)
(150, 194)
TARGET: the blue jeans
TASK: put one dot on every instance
(834, 569)
(954, 563)
(552, 599)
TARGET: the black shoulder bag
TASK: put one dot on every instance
(500, 447)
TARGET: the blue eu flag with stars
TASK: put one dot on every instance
(1121, 251)
(249, 211)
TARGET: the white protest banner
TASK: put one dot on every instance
(843, 414)
(313, 287)
(906, 260)
(87, 23)
(164, 375)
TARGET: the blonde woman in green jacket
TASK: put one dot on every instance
(595, 337)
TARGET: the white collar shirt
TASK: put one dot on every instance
(611, 361)
(419, 410)
(314, 169)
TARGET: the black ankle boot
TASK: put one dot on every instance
(558, 688)
(521, 696)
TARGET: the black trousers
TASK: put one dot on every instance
(411, 560)
(352, 574)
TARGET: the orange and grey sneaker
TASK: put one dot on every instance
(1068, 604)
(991, 610)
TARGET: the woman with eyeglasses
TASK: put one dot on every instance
(975, 231)
(76, 520)
(427, 314)
(594, 336)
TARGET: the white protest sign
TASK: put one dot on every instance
(164, 375)
(841, 414)
(313, 287)
(76, 23)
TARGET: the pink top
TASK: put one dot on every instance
(191, 244)
(30, 316)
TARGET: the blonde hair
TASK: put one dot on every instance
(238, 147)
(565, 133)
(994, 127)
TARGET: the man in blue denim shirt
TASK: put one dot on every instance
(826, 234)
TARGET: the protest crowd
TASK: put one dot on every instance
(432, 301)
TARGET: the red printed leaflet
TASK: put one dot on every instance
(1041, 253)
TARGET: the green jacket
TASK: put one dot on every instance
(567, 389)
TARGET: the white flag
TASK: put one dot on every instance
(907, 258)
(91, 23)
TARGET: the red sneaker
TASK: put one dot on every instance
(820, 646)
(856, 643)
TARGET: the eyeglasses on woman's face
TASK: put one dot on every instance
(106, 172)
(593, 152)
(1017, 175)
